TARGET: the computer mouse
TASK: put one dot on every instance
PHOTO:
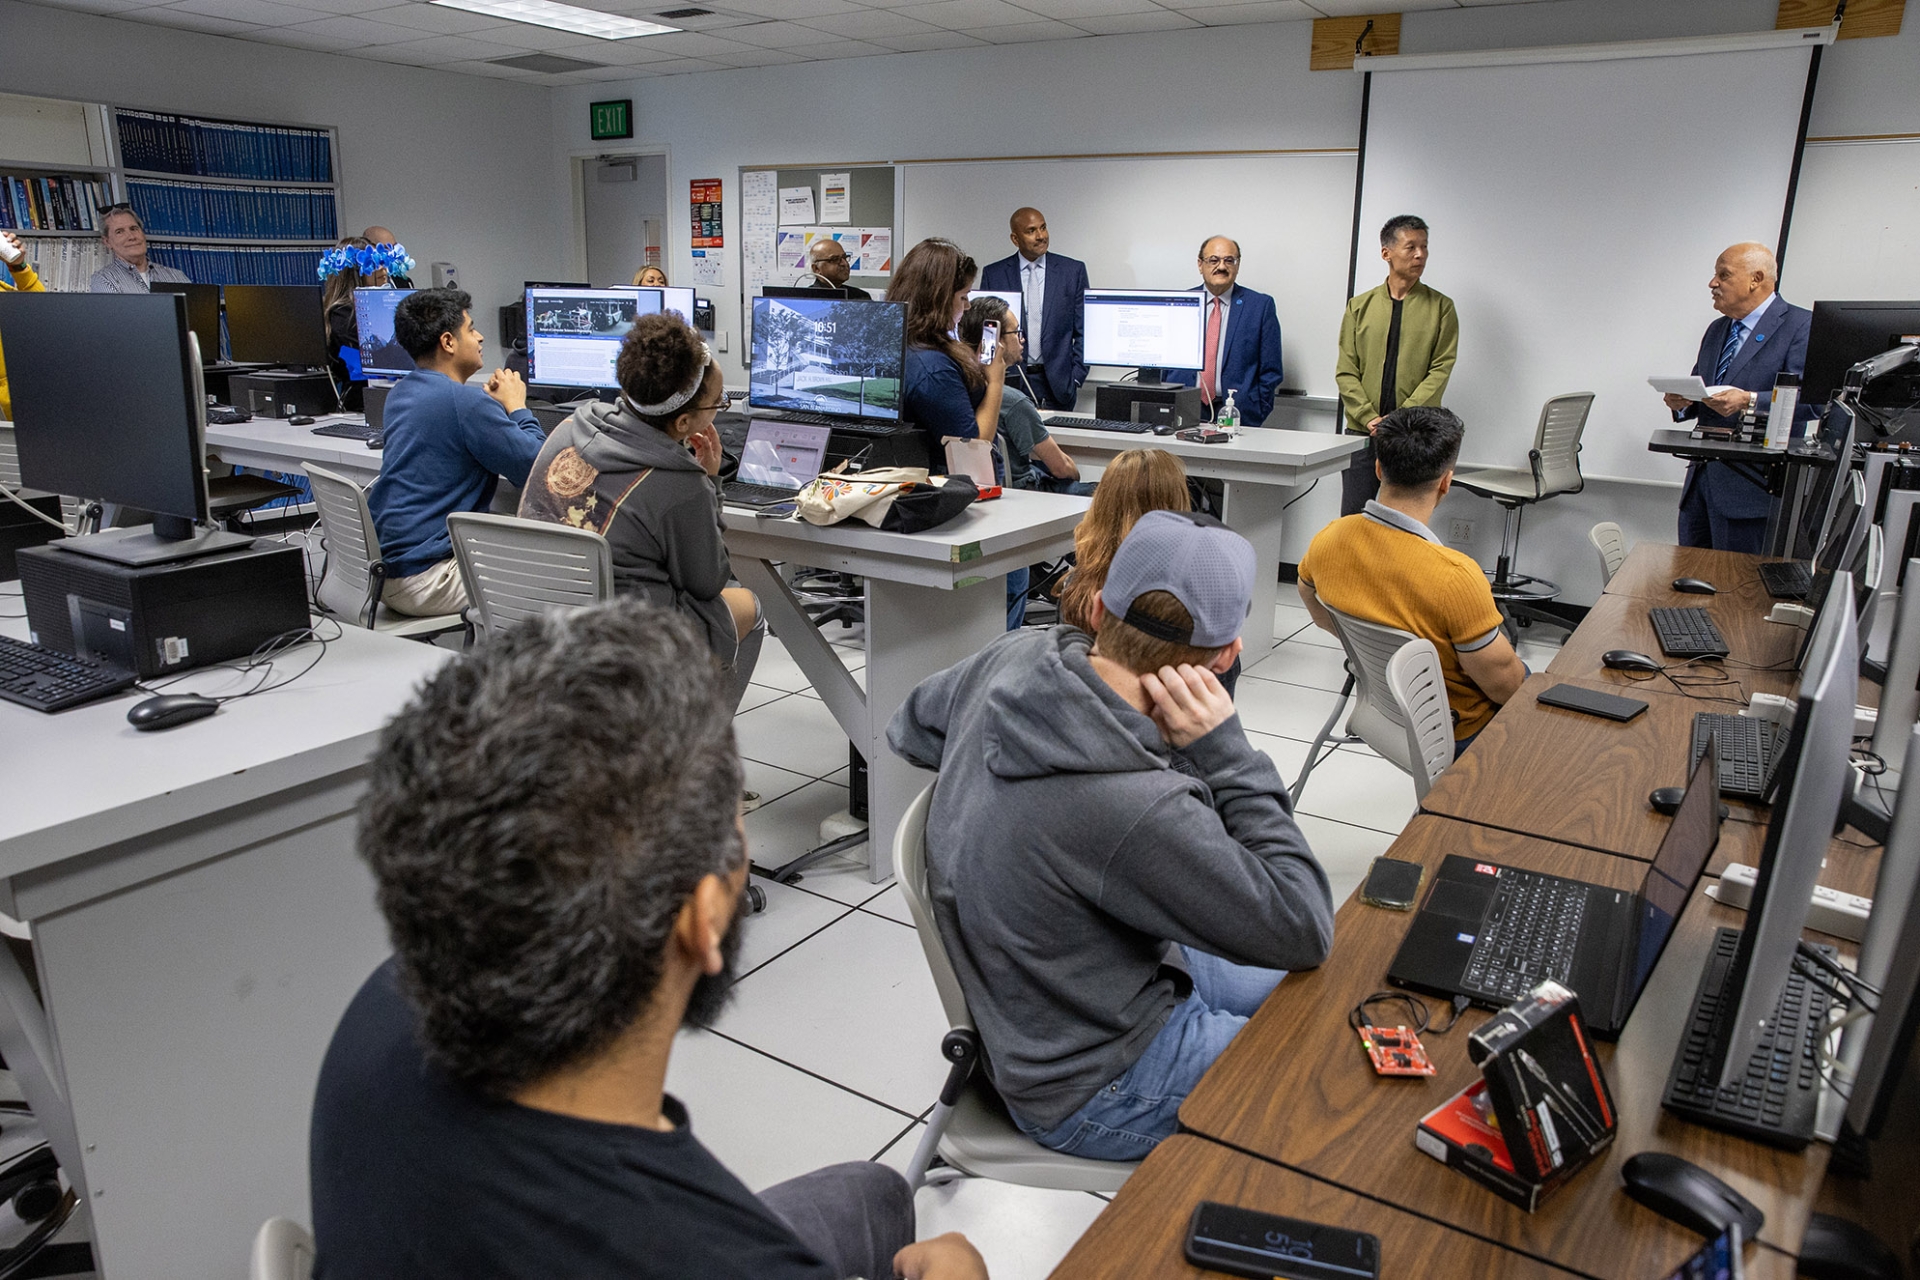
(1163, 428)
(1695, 586)
(170, 709)
(302, 421)
(1667, 800)
(1628, 660)
(377, 442)
(1689, 1195)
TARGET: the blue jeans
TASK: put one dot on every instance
(1017, 598)
(1129, 1117)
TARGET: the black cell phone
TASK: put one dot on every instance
(1242, 1242)
(1607, 706)
(1392, 884)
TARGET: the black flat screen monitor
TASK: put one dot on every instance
(203, 314)
(106, 398)
(381, 355)
(276, 324)
(574, 335)
(1844, 334)
(844, 357)
(800, 291)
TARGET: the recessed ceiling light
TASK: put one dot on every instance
(561, 17)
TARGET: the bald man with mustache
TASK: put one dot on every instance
(1758, 336)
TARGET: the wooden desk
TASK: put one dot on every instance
(1651, 567)
(1295, 1088)
(1621, 622)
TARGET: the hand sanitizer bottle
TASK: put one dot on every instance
(1228, 419)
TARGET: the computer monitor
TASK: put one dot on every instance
(1900, 691)
(1839, 430)
(1013, 300)
(800, 291)
(381, 355)
(1670, 878)
(203, 314)
(677, 300)
(574, 335)
(1877, 1050)
(1844, 334)
(825, 355)
(108, 403)
(1144, 328)
(1813, 783)
(276, 324)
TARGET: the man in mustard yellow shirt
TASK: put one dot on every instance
(25, 280)
(1385, 566)
(1398, 343)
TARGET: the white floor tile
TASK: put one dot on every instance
(766, 1121)
(759, 695)
(791, 917)
(1289, 615)
(1287, 754)
(854, 1003)
(770, 783)
(779, 832)
(799, 734)
(892, 904)
(1306, 664)
(1288, 710)
(1358, 788)
(1345, 851)
(1314, 635)
(777, 669)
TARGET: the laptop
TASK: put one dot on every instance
(778, 460)
(1493, 933)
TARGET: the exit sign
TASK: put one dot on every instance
(613, 119)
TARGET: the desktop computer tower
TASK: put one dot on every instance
(373, 402)
(159, 618)
(878, 446)
(277, 394)
(1166, 405)
(19, 530)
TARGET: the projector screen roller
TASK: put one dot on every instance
(1577, 208)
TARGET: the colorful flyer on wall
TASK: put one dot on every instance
(836, 199)
(704, 193)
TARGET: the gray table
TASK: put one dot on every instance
(1261, 469)
(270, 444)
(932, 599)
(200, 921)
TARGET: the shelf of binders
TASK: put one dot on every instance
(199, 146)
(237, 242)
(157, 175)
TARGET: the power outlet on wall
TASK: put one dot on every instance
(1460, 533)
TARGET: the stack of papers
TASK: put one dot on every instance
(1690, 386)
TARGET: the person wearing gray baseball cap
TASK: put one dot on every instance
(1100, 813)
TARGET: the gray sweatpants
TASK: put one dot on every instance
(855, 1216)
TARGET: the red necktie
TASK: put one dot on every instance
(1210, 372)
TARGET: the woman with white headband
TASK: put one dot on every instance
(640, 472)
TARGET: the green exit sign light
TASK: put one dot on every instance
(613, 119)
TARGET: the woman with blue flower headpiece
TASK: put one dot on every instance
(353, 262)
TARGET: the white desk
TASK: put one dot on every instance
(200, 922)
(1261, 469)
(933, 598)
(272, 444)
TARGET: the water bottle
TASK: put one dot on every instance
(1228, 419)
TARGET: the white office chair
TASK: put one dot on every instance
(1403, 729)
(282, 1250)
(969, 1128)
(1612, 546)
(516, 569)
(350, 586)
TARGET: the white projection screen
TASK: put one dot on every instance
(1577, 208)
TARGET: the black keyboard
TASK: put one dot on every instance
(361, 431)
(1688, 633)
(1787, 579)
(1099, 424)
(756, 495)
(813, 419)
(48, 681)
(1528, 936)
(1776, 1098)
(1748, 750)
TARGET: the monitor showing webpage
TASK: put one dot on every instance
(1145, 328)
(381, 355)
(828, 355)
(574, 335)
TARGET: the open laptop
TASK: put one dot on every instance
(1493, 933)
(779, 459)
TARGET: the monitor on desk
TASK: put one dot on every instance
(574, 335)
(1144, 328)
(280, 324)
(846, 358)
(677, 300)
(802, 291)
(1845, 333)
(203, 314)
(381, 355)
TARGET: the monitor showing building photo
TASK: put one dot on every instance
(574, 335)
(828, 355)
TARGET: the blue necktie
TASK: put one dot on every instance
(1727, 352)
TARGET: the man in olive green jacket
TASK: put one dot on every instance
(1402, 319)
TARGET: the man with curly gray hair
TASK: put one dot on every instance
(553, 829)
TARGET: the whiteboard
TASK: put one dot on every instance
(1856, 224)
(1138, 222)
(1577, 209)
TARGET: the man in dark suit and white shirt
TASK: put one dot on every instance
(1241, 337)
(1052, 288)
(1757, 338)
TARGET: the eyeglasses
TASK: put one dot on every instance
(1221, 262)
(823, 259)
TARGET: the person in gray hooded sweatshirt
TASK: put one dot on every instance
(1097, 801)
(640, 472)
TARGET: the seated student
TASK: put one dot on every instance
(1097, 801)
(448, 445)
(553, 828)
(650, 277)
(346, 267)
(1135, 482)
(1385, 565)
(1038, 461)
(640, 473)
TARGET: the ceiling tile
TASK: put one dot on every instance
(870, 24)
(1347, 8)
(838, 49)
(1237, 14)
(933, 39)
(345, 7)
(774, 35)
(674, 67)
(438, 49)
(756, 58)
(594, 76)
(97, 6)
(791, 10)
(1121, 24)
(1074, 10)
(493, 72)
(965, 15)
(346, 33)
(259, 13)
(184, 21)
(435, 19)
(619, 53)
(1027, 32)
(690, 44)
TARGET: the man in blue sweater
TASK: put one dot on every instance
(448, 445)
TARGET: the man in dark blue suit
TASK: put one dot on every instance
(1240, 337)
(1758, 337)
(1051, 287)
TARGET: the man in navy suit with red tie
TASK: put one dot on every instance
(1758, 337)
(1051, 288)
(1241, 337)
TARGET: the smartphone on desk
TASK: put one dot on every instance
(1393, 884)
(1571, 697)
(1242, 1242)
